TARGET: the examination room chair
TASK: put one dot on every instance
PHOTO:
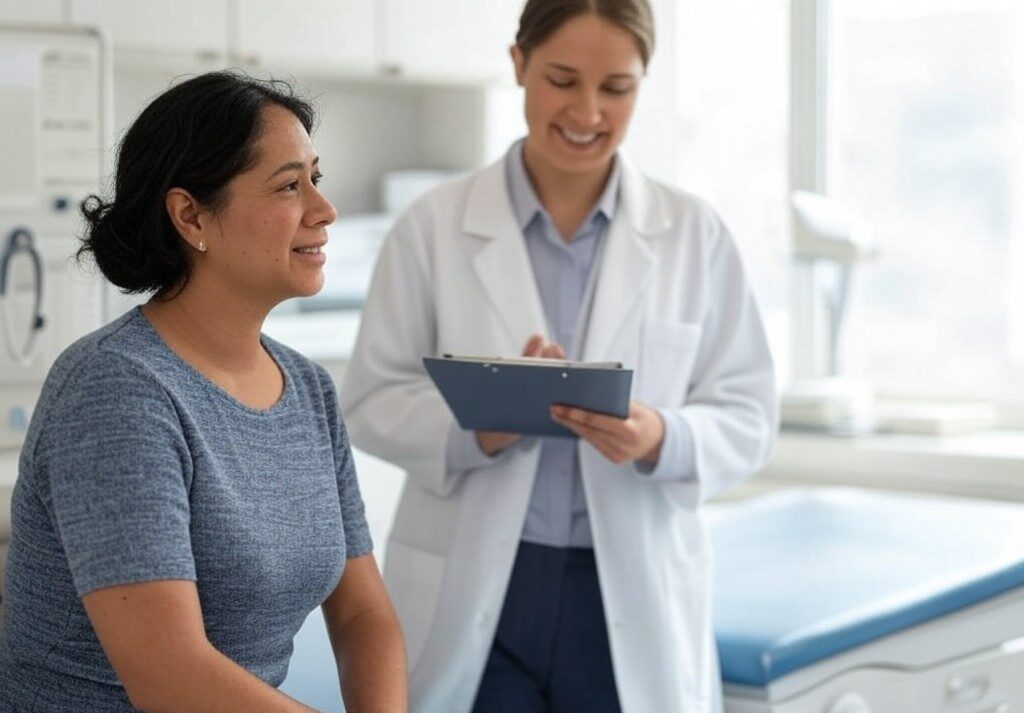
(849, 601)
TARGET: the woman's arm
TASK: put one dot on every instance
(153, 635)
(367, 640)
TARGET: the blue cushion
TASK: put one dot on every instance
(804, 575)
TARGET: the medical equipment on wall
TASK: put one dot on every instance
(828, 242)
(20, 242)
(54, 104)
(847, 601)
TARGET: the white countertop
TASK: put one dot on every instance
(987, 464)
(321, 336)
(8, 473)
(8, 467)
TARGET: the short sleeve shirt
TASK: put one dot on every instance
(137, 468)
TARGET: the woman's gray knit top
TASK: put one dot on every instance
(137, 468)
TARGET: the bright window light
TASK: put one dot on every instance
(732, 94)
(926, 142)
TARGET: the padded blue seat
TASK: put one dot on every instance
(804, 575)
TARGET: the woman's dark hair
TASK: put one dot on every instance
(197, 136)
(541, 18)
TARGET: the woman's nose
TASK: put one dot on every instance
(322, 212)
(586, 109)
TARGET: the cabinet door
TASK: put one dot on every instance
(37, 12)
(330, 33)
(462, 38)
(192, 26)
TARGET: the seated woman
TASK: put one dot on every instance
(186, 492)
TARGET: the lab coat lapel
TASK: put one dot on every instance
(627, 264)
(501, 263)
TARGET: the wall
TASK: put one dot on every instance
(363, 130)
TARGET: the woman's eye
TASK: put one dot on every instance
(293, 186)
(560, 83)
(317, 177)
(617, 91)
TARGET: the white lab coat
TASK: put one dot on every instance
(672, 303)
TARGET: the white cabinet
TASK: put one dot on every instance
(333, 34)
(458, 38)
(444, 40)
(37, 12)
(196, 27)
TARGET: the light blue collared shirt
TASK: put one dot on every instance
(565, 273)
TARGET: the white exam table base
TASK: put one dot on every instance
(971, 661)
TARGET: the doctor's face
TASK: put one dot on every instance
(274, 225)
(581, 85)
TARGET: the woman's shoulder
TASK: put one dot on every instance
(108, 373)
(121, 350)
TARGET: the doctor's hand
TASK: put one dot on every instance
(492, 442)
(620, 440)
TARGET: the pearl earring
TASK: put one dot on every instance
(202, 246)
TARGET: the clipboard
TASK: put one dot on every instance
(514, 395)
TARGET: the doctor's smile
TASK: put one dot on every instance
(581, 84)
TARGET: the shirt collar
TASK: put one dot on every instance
(526, 205)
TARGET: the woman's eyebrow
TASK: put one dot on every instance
(292, 166)
(573, 70)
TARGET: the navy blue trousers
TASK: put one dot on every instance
(550, 653)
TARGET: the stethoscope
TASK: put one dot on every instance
(20, 241)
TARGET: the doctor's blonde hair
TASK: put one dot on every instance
(541, 18)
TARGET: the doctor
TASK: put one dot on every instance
(544, 574)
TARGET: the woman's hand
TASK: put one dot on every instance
(493, 442)
(620, 440)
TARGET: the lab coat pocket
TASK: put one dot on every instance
(668, 351)
(413, 578)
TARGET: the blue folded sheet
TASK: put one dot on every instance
(804, 575)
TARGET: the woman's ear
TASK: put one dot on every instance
(187, 216)
(518, 62)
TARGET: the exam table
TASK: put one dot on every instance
(840, 601)
(848, 601)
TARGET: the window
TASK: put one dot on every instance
(732, 132)
(925, 140)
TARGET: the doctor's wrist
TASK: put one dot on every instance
(652, 427)
(493, 442)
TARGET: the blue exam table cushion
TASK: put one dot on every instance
(801, 576)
